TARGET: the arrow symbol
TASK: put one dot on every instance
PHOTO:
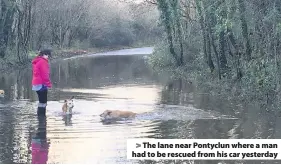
(138, 145)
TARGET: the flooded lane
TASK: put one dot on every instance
(166, 109)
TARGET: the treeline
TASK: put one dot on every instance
(29, 25)
(232, 39)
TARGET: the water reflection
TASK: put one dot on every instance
(7, 129)
(67, 119)
(39, 144)
(90, 73)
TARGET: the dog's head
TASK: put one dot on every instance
(69, 103)
(106, 114)
(2, 93)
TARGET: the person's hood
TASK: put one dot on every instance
(37, 59)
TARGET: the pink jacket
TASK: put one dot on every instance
(41, 72)
(39, 152)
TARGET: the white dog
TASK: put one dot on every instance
(68, 106)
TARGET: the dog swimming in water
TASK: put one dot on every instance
(117, 115)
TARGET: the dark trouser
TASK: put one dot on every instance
(42, 97)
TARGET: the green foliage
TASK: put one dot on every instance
(260, 76)
(242, 35)
(161, 58)
(117, 33)
(30, 25)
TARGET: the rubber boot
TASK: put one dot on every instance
(41, 111)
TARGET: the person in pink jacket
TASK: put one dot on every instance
(41, 79)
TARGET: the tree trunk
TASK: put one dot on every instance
(244, 27)
(206, 38)
(164, 8)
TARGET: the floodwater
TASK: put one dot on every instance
(116, 80)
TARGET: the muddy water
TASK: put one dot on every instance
(168, 109)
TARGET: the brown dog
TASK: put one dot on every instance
(117, 114)
(68, 105)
